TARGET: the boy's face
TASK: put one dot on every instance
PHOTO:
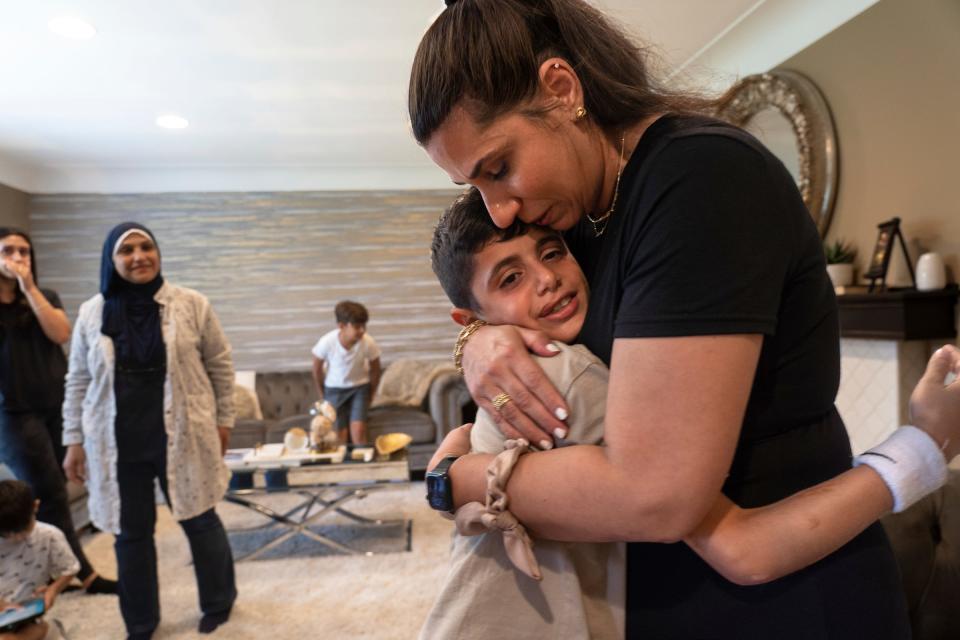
(530, 281)
(351, 333)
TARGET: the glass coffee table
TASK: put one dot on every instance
(325, 487)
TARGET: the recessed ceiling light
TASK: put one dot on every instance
(72, 27)
(171, 121)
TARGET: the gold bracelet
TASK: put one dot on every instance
(462, 338)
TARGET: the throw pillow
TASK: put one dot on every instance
(246, 404)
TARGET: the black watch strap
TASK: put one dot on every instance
(439, 487)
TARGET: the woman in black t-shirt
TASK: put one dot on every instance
(33, 326)
(709, 302)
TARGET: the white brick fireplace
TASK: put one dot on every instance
(876, 378)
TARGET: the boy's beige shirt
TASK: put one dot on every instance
(582, 594)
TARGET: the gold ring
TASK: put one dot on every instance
(500, 400)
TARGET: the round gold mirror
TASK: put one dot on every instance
(787, 112)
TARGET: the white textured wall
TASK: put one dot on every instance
(13, 208)
(890, 77)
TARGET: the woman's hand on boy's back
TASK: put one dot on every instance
(496, 360)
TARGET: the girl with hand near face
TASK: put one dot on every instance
(33, 326)
(149, 395)
(709, 302)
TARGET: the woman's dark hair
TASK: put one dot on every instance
(490, 52)
(24, 313)
(16, 507)
(464, 229)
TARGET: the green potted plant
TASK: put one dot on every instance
(840, 256)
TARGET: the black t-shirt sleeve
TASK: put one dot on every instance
(712, 252)
(52, 297)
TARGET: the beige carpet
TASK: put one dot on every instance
(385, 596)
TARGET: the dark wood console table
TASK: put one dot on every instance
(899, 314)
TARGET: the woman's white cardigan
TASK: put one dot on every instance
(197, 398)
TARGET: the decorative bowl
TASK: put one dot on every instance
(390, 443)
(296, 439)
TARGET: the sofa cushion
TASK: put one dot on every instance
(406, 382)
(246, 404)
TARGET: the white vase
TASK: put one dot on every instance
(931, 272)
(841, 275)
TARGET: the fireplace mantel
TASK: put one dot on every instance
(885, 341)
(904, 314)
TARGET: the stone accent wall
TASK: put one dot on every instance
(273, 264)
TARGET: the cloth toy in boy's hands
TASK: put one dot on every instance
(322, 434)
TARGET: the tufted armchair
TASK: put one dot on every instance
(285, 399)
(926, 542)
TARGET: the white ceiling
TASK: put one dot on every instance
(280, 94)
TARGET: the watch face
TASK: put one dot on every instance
(438, 494)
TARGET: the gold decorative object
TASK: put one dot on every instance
(390, 443)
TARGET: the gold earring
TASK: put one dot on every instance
(580, 113)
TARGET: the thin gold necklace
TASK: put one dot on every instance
(600, 224)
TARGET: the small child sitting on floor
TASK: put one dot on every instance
(35, 559)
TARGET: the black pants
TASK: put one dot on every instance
(30, 446)
(137, 554)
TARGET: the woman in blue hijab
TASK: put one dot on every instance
(149, 396)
